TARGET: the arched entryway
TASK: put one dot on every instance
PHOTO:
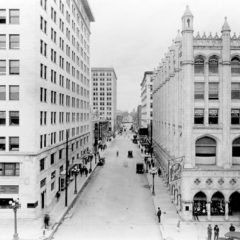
(217, 204)
(199, 204)
(234, 204)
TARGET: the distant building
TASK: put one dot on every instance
(139, 116)
(146, 99)
(104, 94)
(196, 104)
(45, 95)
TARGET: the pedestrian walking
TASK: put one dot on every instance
(86, 171)
(209, 232)
(46, 220)
(159, 172)
(159, 213)
(216, 232)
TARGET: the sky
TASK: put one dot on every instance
(132, 36)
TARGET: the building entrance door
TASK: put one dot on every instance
(234, 206)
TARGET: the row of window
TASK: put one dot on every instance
(76, 117)
(13, 93)
(213, 92)
(101, 74)
(102, 104)
(82, 104)
(13, 143)
(9, 169)
(213, 65)
(13, 41)
(13, 118)
(213, 115)
(52, 138)
(14, 67)
(206, 147)
(13, 17)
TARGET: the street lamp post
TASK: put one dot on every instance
(66, 177)
(75, 171)
(153, 171)
(15, 205)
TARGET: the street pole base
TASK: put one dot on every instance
(75, 192)
(153, 193)
(15, 236)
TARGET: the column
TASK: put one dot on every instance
(226, 210)
(209, 210)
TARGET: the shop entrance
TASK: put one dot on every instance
(234, 206)
(217, 204)
(199, 204)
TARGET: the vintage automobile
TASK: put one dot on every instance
(130, 154)
(139, 168)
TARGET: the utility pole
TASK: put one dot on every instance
(66, 178)
(151, 138)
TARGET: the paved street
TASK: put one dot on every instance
(117, 203)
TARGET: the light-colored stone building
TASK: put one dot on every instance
(104, 94)
(196, 121)
(146, 99)
(44, 93)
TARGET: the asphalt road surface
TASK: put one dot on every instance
(116, 204)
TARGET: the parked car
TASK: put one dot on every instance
(130, 154)
(139, 168)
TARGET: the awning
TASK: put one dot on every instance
(234, 235)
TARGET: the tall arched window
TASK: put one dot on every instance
(236, 148)
(206, 147)
(199, 65)
(235, 65)
(199, 204)
(213, 65)
(217, 204)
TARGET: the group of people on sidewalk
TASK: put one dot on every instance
(216, 231)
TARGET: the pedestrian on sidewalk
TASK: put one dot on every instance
(195, 214)
(209, 232)
(159, 213)
(159, 172)
(86, 171)
(46, 220)
(216, 232)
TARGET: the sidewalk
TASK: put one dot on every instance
(32, 229)
(188, 230)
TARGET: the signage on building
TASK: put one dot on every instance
(175, 172)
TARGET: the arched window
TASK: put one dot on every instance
(199, 65)
(234, 206)
(235, 65)
(217, 204)
(213, 65)
(205, 147)
(236, 148)
(199, 204)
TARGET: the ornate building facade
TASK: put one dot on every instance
(196, 121)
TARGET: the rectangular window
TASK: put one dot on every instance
(52, 186)
(14, 118)
(2, 41)
(2, 143)
(213, 91)
(14, 16)
(13, 92)
(213, 116)
(198, 90)
(42, 182)
(9, 169)
(14, 40)
(52, 158)
(42, 164)
(2, 117)
(235, 116)
(2, 92)
(2, 16)
(13, 143)
(14, 67)
(198, 116)
(235, 93)
(2, 67)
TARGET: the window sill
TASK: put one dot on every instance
(202, 126)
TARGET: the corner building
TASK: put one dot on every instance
(196, 121)
(44, 94)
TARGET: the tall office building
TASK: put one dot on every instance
(196, 120)
(146, 99)
(104, 94)
(44, 95)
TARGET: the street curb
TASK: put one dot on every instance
(50, 237)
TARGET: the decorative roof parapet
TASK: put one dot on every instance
(225, 26)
